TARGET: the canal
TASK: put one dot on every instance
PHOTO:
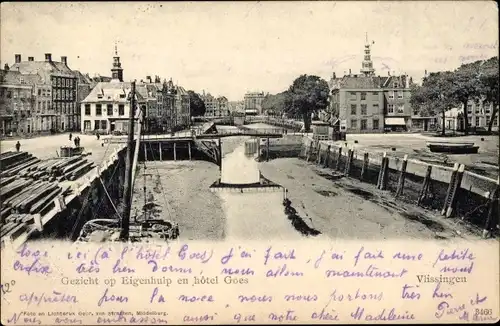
(181, 189)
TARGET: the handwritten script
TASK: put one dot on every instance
(245, 284)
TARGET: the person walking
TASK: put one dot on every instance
(70, 136)
(18, 146)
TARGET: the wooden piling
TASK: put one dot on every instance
(449, 192)
(327, 157)
(339, 156)
(175, 151)
(267, 149)
(425, 185)
(189, 150)
(160, 149)
(382, 176)
(402, 176)
(456, 188)
(347, 168)
(364, 168)
(318, 156)
(491, 222)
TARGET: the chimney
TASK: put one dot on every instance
(48, 57)
(64, 60)
(18, 58)
(31, 59)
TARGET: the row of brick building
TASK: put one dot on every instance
(215, 106)
(39, 97)
(366, 103)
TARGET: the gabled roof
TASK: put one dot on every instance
(15, 77)
(43, 68)
(111, 91)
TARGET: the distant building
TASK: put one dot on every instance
(368, 103)
(478, 115)
(62, 112)
(253, 102)
(215, 106)
(17, 102)
(106, 109)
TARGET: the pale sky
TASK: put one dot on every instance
(230, 48)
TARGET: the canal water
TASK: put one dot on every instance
(251, 215)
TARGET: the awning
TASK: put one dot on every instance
(395, 121)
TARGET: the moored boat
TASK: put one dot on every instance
(454, 148)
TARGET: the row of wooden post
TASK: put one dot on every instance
(160, 149)
(451, 194)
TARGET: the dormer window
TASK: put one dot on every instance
(99, 95)
(395, 85)
(122, 95)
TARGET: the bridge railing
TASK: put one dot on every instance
(259, 131)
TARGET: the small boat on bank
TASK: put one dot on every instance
(452, 148)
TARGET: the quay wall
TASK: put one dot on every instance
(88, 200)
(474, 202)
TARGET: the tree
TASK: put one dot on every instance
(435, 96)
(275, 103)
(466, 86)
(489, 86)
(306, 95)
(197, 105)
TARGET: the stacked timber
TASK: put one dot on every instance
(29, 186)
(56, 169)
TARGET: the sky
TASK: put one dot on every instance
(229, 48)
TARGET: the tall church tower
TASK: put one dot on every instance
(117, 70)
(367, 66)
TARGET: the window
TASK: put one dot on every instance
(87, 109)
(110, 109)
(363, 109)
(375, 94)
(122, 95)
(391, 95)
(353, 109)
(353, 95)
(375, 123)
(488, 120)
(354, 123)
(9, 94)
(390, 108)
(99, 95)
(401, 108)
(39, 92)
(396, 85)
(400, 95)
(363, 96)
(363, 124)
(121, 109)
(477, 121)
(469, 108)
(104, 124)
(86, 125)
(495, 122)
(96, 124)
(98, 109)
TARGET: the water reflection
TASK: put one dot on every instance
(251, 215)
(238, 168)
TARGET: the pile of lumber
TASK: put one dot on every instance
(58, 169)
(29, 186)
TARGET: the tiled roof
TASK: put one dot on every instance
(14, 77)
(370, 82)
(43, 68)
(82, 79)
(111, 91)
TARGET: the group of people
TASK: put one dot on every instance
(76, 140)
